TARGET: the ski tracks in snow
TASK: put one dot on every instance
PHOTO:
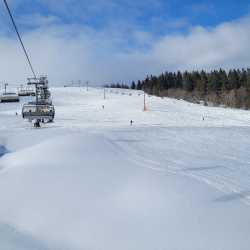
(209, 157)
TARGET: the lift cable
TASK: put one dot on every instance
(20, 39)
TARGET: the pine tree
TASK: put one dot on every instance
(133, 86)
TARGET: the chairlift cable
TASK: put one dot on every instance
(19, 37)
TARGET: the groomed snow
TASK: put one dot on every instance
(92, 181)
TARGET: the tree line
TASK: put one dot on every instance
(218, 87)
(118, 86)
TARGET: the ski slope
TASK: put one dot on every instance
(91, 181)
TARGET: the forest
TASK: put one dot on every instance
(218, 87)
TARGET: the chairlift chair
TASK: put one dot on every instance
(26, 92)
(42, 110)
(9, 97)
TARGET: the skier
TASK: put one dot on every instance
(131, 122)
(37, 124)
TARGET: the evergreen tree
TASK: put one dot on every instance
(139, 85)
(218, 86)
(133, 85)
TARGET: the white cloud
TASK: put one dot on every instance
(224, 46)
(72, 52)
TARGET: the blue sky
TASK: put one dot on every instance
(132, 33)
(146, 14)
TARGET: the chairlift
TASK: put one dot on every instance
(9, 97)
(42, 109)
(42, 112)
(26, 91)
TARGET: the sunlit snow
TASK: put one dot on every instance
(92, 181)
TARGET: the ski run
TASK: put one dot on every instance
(178, 178)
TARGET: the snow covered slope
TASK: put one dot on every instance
(92, 181)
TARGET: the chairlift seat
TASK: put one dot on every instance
(26, 93)
(9, 97)
(38, 112)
